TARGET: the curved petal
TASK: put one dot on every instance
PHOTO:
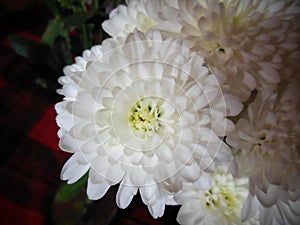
(68, 144)
(125, 195)
(96, 191)
(72, 171)
(157, 209)
(250, 208)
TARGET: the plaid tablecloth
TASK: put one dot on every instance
(30, 159)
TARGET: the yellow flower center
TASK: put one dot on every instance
(145, 116)
(223, 196)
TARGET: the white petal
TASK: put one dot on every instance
(61, 107)
(267, 218)
(68, 144)
(190, 173)
(233, 105)
(250, 208)
(184, 154)
(65, 121)
(295, 207)
(148, 193)
(269, 198)
(114, 174)
(125, 195)
(269, 74)
(157, 210)
(204, 182)
(187, 216)
(277, 213)
(149, 163)
(171, 201)
(72, 170)
(96, 191)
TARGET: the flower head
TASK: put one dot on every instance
(145, 114)
(220, 202)
(266, 146)
(247, 44)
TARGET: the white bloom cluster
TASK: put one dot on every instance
(182, 90)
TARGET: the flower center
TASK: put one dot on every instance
(145, 116)
(223, 195)
(222, 198)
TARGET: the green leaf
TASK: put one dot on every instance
(68, 191)
(76, 20)
(22, 46)
(54, 29)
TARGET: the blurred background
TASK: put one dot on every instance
(37, 39)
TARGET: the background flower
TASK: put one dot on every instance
(220, 202)
(146, 114)
(266, 146)
(247, 44)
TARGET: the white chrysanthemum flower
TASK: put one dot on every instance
(145, 114)
(266, 145)
(247, 44)
(220, 202)
(123, 20)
